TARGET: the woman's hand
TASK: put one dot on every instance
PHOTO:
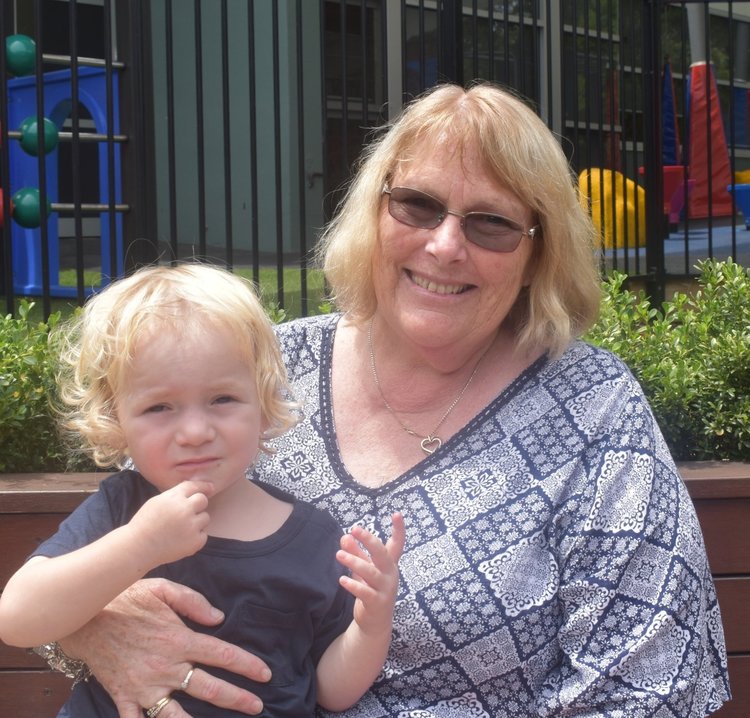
(140, 651)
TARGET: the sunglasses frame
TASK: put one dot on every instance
(531, 233)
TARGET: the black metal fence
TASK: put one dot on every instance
(225, 129)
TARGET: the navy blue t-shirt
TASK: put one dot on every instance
(280, 595)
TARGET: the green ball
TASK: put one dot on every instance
(20, 54)
(28, 131)
(27, 207)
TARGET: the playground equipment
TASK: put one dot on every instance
(26, 205)
(617, 205)
(29, 136)
(741, 194)
(704, 119)
(676, 187)
(20, 54)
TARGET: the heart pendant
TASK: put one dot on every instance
(430, 444)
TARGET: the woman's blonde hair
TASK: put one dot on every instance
(99, 341)
(521, 153)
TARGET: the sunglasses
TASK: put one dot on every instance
(489, 231)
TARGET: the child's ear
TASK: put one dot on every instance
(117, 440)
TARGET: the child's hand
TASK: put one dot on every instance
(374, 579)
(173, 524)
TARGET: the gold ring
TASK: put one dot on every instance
(158, 707)
(184, 684)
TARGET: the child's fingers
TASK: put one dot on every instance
(355, 564)
(383, 555)
(369, 560)
(358, 589)
(198, 487)
(395, 545)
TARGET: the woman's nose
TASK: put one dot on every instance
(447, 241)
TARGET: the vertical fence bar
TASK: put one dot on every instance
(112, 219)
(363, 58)
(520, 53)
(550, 44)
(277, 160)
(344, 90)
(404, 35)
(42, 164)
(572, 112)
(384, 55)
(732, 126)
(6, 226)
(450, 26)
(301, 152)
(709, 109)
(227, 132)
(75, 146)
(536, 49)
(200, 128)
(422, 49)
(171, 151)
(324, 105)
(474, 41)
(253, 141)
(491, 41)
(652, 150)
(636, 238)
(616, 72)
(506, 41)
(136, 122)
(626, 30)
(516, 50)
(685, 104)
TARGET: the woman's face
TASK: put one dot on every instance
(434, 287)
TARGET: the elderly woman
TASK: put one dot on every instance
(554, 564)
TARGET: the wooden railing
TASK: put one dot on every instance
(32, 506)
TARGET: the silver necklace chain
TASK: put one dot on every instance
(430, 443)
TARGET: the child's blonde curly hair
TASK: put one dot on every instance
(97, 347)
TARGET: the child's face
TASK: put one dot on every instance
(189, 409)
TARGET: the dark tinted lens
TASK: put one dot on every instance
(492, 231)
(415, 208)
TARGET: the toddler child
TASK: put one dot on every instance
(176, 371)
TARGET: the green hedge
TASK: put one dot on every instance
(29, 440)
(692, 357)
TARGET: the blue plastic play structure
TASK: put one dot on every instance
(24, 171)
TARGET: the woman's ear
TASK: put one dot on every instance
(529, 271)
(532, 264)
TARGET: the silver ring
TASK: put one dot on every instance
(184, 684)
(158, 707)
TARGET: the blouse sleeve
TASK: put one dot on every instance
(641, 632)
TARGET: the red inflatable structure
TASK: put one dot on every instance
(708, 154)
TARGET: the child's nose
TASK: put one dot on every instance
(195, 428)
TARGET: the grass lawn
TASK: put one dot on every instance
(292, 293)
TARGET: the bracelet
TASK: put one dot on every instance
(57, 660)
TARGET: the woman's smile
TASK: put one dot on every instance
(436, 287)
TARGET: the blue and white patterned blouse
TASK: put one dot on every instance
(554, 565)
